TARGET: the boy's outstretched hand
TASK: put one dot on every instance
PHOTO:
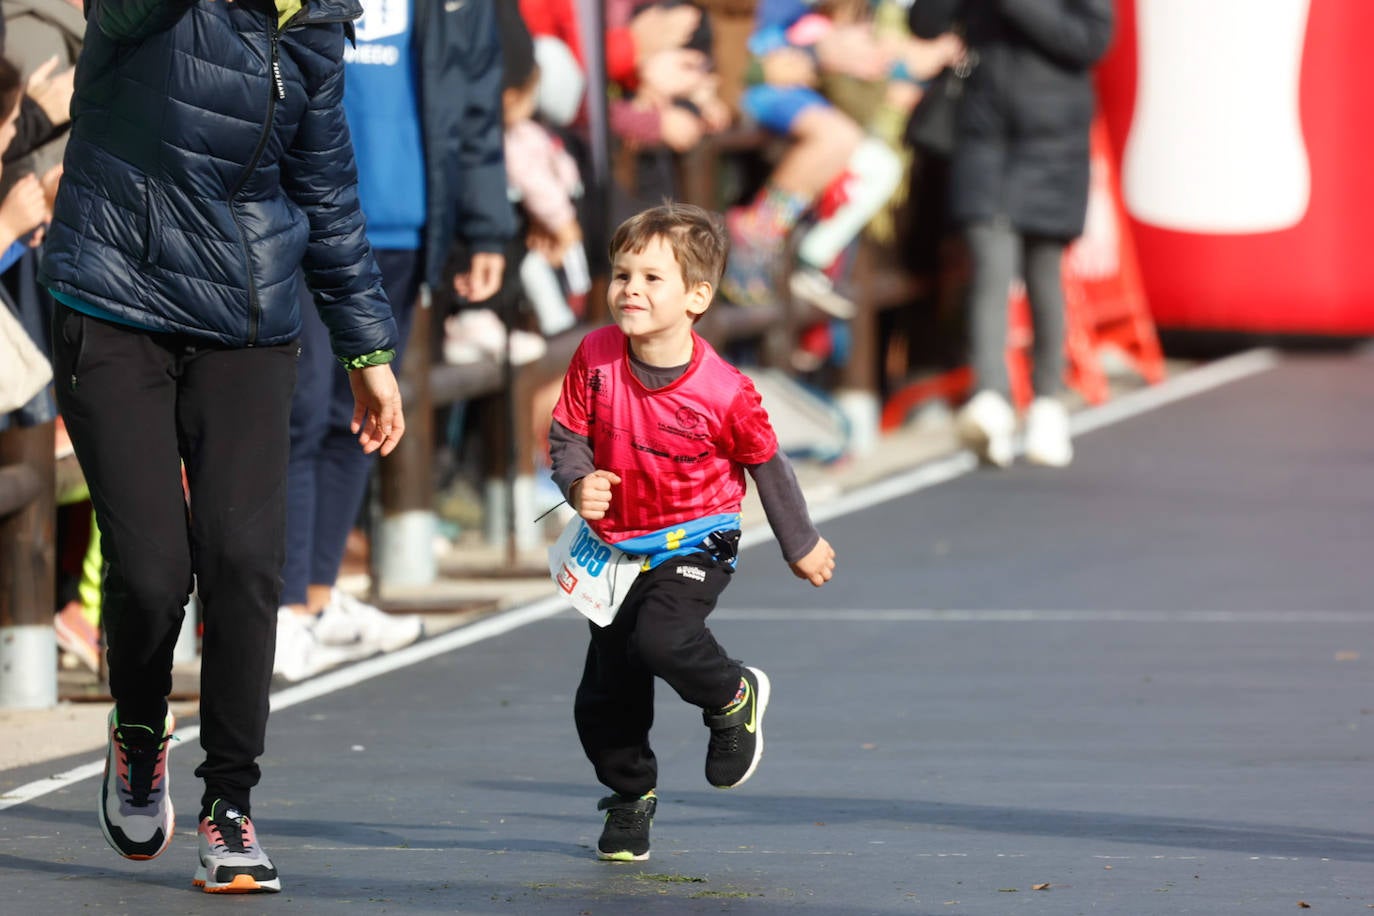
(591, 496)
(818, 566)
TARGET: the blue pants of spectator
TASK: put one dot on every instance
(778, 107)
(326, 479)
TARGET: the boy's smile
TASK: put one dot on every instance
(652, 306)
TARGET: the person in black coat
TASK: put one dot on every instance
(1019, 188)
(209, 162)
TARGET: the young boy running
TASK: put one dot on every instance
(651, 437)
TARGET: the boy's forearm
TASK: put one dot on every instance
(785, 507)
(570, 456)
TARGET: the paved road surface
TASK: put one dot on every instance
(1145, 683)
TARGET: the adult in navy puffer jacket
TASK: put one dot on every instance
(209, 161)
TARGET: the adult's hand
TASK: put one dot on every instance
(658, 28)
(52, 90)
(680, 129)
(852, 50)
(23, 210)
(50, 180)
(924, 59)
(673, 74)
(378, 420)
(483, 277)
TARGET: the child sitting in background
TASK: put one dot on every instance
(795, 43)
(543, 181)
(543, 177)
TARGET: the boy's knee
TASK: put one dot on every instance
(830, 126)
(659, 651)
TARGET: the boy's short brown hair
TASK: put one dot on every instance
(696, 237)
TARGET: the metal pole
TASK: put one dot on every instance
(403, 546)
(28, 646)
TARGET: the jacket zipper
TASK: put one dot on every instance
(278, 92)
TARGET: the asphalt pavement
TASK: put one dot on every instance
(1138, 686)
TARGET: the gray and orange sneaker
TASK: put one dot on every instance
(231, 861)
(136, 814)
(737, 732)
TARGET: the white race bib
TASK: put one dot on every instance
(593, 575)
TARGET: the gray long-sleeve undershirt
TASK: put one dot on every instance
(781, 495)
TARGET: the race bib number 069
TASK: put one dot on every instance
(593, 575)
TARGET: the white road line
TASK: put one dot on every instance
(1129, 405)
(1187, 384)
(325, 684)
(936, 615)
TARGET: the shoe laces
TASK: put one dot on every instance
(725, 741)
(230, 830)
(140, 759)
(633, 815)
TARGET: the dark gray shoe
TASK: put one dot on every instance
(737, 734)
(625, 836)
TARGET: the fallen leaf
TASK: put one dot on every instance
(1041, 887)
(1304, 905)
(868, 745)
(1347, 656)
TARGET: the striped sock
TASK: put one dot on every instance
(773, 213)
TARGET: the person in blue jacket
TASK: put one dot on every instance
(423, 99)
(209, 162)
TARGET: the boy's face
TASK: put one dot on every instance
(648, 298)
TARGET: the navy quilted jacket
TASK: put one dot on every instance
(209, 159)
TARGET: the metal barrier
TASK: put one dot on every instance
(28, 648)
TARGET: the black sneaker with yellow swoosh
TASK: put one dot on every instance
(625, 833)
(737, 733)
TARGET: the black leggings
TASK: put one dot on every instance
(997, 251)
(138, 404)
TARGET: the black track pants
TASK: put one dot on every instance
(138, 404)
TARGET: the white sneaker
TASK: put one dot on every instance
(471, 337)
(526, 347)
(478, 334)
(361, 629)
(813, 287)
(1047, 434)
(300, 654)
(985, 425)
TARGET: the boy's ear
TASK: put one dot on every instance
(700, 298)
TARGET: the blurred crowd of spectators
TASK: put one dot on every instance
(820, 94)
